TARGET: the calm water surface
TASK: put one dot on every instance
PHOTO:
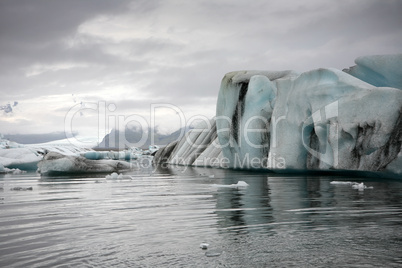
(160, 217)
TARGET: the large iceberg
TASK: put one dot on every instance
(62, 158)
(27, 156)
(321, 120)
(22, 158)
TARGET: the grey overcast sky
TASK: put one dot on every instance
(55, 54)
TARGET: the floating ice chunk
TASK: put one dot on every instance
(112, 176)
(239, 184)
(355, 185)
(361, 186)
(56, 163)
(115, 176)
(342, 182)
(204, 245)
(14, 171)
(211, 176)
(124, 177)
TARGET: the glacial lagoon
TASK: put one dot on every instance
(161, 216)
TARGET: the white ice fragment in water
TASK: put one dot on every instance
(204, 245)
(115, 176)
(239, 184)
(342, 182)
(360, 186)
(112, 176)
(14, 171)
(355, 185)
(211, 176)
(17, 171)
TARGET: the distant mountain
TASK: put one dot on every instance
(136, 137)
(35, 138)
(130, 137)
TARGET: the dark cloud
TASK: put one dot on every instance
(134, 53)
(34, 23)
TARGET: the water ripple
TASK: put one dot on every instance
(160, 220)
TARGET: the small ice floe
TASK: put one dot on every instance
(204, 245)
(211, 176)
(112, 176)
(21, 188)
(115, 176)
(238, 185)
(342, 182)
(355, 185)
(361, 186)
(14, 171)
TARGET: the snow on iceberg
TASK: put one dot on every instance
(57, 164)
(65, 149)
